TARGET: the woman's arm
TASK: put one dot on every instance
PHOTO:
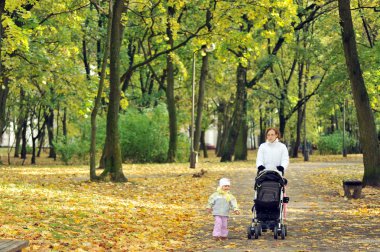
(260, 157)
(284, 157)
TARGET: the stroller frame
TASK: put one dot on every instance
(261, 224)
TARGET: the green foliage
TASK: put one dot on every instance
(70, 147)
(183, 150)
(144, 135)
(333, 143)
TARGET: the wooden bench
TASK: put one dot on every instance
(355, 185)
(13, 245)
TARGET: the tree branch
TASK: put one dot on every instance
(62, 12)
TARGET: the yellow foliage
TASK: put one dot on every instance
(57, 208)
(124, 103)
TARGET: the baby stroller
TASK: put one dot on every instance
(268, 208)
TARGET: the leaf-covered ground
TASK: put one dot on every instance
(161, 208)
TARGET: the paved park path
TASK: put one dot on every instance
(318, 219)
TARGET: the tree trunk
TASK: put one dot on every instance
(33, 158)
(18, 139)
(367, 127)
(112, 157)
(85, 59)
(201, 95)
(223, 122)
(20, 122)
(262, 127)
(299, 113)
(4, 87)
(297, 142)
(49, 118)
(172, 151)
(281, 115)
(64, 122)
(4, 90)
(203, 144)
(220, 122)
(98, 99)
(253, 136)
(228, 145)
(23, 136)
(41, 141)
(241, 151)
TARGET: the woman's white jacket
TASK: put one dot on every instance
(270, 155)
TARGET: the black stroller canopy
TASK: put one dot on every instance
(269, 176)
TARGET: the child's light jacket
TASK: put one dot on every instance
(222, 202)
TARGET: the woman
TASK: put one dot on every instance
(272, 155)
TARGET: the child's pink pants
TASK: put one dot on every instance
(220, 226)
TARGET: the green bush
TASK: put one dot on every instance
(144, 135)
(183, 150)
(69, 147)
(333, 143)
(144, 138)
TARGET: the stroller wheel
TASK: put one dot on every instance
(260, 229)
(256, 232)
(283, 232)
(286, 229)
(249, 233)
(275, 232)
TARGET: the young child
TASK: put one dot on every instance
(220, 203)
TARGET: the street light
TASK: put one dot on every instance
(193, 153)
(344, 152)
(305, 148)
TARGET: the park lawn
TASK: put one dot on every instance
(330, 183)
(160, 208)
(57, 209)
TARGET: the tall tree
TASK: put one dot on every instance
(112, 155)
(98, 98)
(367, 127)
(170, 99)
(202, 85)
(3, 78)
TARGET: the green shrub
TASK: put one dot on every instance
(144, 135)
(333, 143)
(144, 138)
(183, 150)
(69, 147)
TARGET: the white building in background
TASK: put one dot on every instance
(211, 138)
(8, 138)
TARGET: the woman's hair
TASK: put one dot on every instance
(275, 130)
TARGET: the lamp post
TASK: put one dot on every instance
(344, 128)
(305, 147)
(193, 153)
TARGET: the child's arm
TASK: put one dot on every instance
(234, 205)
(210, 203)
